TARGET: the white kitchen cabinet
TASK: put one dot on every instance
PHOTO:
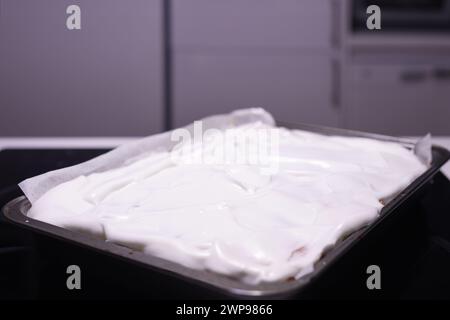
(102, 80)
(399, 99)
(256, 53)
(254, 23)
(294, 88)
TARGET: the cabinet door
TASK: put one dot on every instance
(102, 80)
(293, 88)
(254, 23)
(399, 100)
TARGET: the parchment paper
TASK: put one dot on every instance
(35, 187)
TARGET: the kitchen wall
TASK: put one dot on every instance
(299, 59)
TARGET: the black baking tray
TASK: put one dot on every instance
(178, 281)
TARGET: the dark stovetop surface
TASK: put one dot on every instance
(426, 275)
(16, 247)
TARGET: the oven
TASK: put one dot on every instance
(406, 16)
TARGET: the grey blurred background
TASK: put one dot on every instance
(138, 67)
